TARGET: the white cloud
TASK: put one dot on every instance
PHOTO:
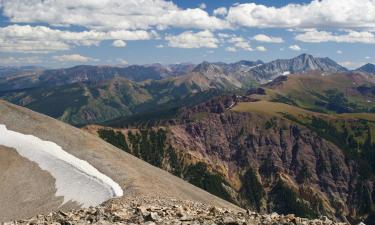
(350, 36)
(73, 58)
(240, 42)
(160, 46)
(351, 64)
(267, 39)
(295, 48)
(222, 11)
(224, 35)
(230, 49)
(367, 57)
(119, 43)
(317, 13)
(189, 39)
(41, 39)
(202, 5)
(261, 49)
(110, 15)
(339, 52)
(122, 61)
(19, 60)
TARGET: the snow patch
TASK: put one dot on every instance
(76, 179)
(252, 67)
(286, 73)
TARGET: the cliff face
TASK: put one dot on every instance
(270, 157)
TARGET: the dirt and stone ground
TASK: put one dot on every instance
(154, 211)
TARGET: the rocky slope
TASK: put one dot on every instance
(153, 211)
(135, 177)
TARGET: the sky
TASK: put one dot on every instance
(63, 33)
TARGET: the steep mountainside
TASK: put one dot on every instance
(40, 191)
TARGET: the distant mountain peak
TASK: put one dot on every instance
(305, 55)
(207, 67)
(367, 68)
(300, 64)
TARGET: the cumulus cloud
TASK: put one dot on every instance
(295, 48)
(110, 14)
(261, 49)
(222, 11)
(119, 43)
(189, 39)
(315, 36)
(339, 52)
(41, 39)
(267, 39)
(240, 42)
(73, 58)
(317, 13)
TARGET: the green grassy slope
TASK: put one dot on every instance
(339, 93)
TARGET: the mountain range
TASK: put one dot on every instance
(242, 73)
(90, 94)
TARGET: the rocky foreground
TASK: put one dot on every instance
(165, 211)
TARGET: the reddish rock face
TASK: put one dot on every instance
(315, 169)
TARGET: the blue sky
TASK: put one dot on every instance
(62, 33)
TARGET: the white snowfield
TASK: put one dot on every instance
(76, 179)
